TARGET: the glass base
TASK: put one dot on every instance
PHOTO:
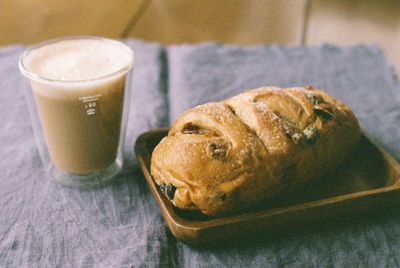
(91, 180)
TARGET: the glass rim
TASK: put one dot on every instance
(39, 78)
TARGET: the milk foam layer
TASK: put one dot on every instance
(78, 59)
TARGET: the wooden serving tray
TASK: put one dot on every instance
(369, 178)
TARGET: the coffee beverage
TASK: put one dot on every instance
(78, 86)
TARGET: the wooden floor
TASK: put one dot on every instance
(306, 22)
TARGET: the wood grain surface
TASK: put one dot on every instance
(351, 22)
(368, 179)
(262, 21)
(30, 21)
(178, 21)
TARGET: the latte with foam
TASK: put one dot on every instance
(78, 86)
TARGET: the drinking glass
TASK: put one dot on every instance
(79, 124)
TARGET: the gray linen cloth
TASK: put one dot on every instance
(43, 224)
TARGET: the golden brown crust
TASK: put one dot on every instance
(221, 157)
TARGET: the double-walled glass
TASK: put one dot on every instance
(79, 125)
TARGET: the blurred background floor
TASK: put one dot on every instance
(308, 22)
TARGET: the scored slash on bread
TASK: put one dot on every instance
(222, 157)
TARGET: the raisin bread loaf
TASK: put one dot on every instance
(221, 157)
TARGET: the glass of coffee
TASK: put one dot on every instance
(77, 89)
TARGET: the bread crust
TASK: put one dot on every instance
(222, 157)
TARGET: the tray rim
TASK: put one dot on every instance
(174, 221)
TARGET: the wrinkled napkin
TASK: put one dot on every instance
(43, 224)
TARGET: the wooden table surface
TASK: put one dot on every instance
(177, 21)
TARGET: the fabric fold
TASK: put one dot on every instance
(45, 225)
